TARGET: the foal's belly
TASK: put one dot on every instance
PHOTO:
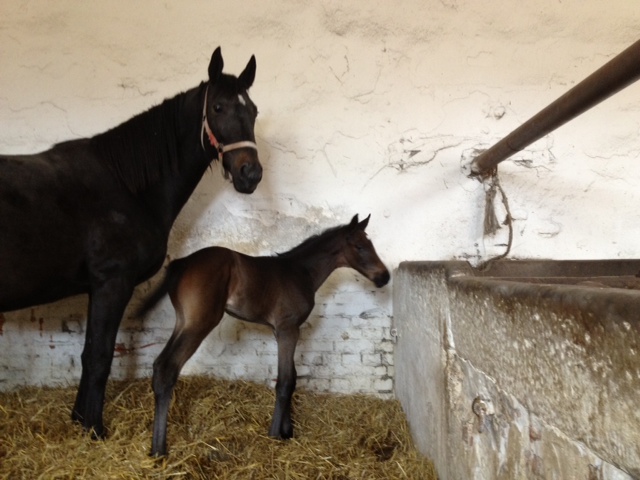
(236, 313)
(274, 313)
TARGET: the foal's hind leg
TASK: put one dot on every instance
(187, 336)
(281, 426)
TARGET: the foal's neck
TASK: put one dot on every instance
(321, 262)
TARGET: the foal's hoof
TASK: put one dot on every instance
(287, 431)
(282, 435)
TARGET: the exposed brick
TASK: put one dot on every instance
(344, 347)
(383, 385)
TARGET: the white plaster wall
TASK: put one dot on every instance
(365, 107)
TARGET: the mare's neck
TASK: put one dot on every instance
(167, 197)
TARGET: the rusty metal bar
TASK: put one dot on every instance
(618, 73)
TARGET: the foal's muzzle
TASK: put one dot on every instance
(382, 279)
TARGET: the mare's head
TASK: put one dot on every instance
(361, 255)
(228, 123)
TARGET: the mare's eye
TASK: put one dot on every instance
(217, 108)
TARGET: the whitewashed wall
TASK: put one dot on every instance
(365, 107)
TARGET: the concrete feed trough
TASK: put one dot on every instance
(528, 370)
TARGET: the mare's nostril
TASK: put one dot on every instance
(258, 173)
(251, 172)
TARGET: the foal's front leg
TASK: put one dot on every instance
(281, 426)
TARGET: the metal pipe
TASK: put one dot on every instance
(618, 73)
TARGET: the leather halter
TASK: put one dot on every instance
(220, 148)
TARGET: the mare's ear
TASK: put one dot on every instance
(215, 65)
(248, 75)
(354, 221)
(363, 224)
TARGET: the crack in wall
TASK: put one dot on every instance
(418, 150)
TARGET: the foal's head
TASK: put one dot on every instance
(360, 255)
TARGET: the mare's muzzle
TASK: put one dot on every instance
(248, 178)
(243, 165)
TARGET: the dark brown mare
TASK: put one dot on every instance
(277, 291)
(93, 215)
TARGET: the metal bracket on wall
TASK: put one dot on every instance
(482, 408)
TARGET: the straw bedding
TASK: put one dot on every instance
(217, 429)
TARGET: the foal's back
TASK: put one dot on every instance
(266, 290)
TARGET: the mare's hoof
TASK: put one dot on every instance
(284, 431)
(96, 432)
(97, 435)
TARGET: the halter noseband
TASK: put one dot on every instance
(220, 148)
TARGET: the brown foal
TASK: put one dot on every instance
(278, 291)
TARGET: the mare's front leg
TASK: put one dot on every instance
(107, 303)
(281, 426)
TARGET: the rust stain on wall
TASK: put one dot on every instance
(121, 349)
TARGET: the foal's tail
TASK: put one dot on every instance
(174, 271)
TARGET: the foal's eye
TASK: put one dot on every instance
(217, 108)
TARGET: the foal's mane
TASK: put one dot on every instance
(314, 241)
(145, 148)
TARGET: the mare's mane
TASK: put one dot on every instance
(145, 148)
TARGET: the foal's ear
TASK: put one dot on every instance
(215, 65)
(354, 221)
(363, 224)
(248, 75)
